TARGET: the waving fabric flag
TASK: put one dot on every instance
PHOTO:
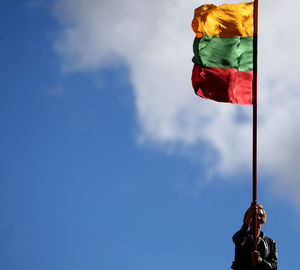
(223, 52)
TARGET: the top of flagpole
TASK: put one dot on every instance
(255, 17)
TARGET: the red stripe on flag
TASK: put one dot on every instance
(223, 84)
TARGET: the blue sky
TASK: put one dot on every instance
(108, 163)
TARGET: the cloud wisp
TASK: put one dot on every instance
(155, 40)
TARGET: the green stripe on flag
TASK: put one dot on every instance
(230, 52)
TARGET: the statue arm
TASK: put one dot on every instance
(270, 263)
(240, 236)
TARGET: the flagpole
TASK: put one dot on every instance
(254, 87)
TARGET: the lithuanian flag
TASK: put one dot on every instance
(223, 52)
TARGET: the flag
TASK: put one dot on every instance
(223, 52)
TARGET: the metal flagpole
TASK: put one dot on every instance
(254, 88)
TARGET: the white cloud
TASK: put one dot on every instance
(155, 39)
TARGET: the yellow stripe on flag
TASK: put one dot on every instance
(227, 20)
